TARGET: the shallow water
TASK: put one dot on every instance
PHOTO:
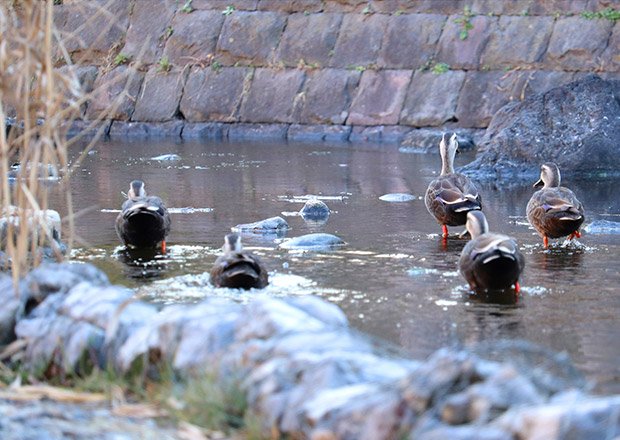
(395, 278)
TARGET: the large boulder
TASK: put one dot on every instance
(576, 125)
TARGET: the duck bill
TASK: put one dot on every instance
(539, 183)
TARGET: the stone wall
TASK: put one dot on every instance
(331, 69)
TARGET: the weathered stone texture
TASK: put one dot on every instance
(221, 5)
(205, 130)
(89, 32)
(610, 59)
(160, 95)
(359, 40)
(309, 37)
(194, 36)
(123, 129)
(379, 98)
(483, 93)
(580, 50)
(517, 41)
(214, 95)
(115, 94)
(328, 95)
(257, 131)
(147, 32)
(274, 96)
(431, 99)
(346, 5)
(290, 6)
(465, 53)
(250, 38)
(315, 133)
(410, 40)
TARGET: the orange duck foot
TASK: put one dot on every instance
(163, 247)
(517, 288)
(445, 231)
(546, 241)
(574, 234)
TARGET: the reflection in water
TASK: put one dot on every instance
(142, 264)
(395, 279)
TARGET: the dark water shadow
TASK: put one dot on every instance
(142, 264)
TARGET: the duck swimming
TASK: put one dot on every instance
(144, 221)
(452, 195)
(237, 268)
(489, 261)
(554, 211)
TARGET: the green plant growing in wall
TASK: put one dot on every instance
(216, 66)
(609, 13)
(163, 64)
(169, 32)
(465, 22)
(121, 58)
(398, 13)
(366, 10)
(440, 68)
(187, 7)
(229, 10)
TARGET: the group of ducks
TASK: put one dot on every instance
(489, 261)
(493, 261)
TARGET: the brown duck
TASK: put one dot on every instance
(489, 261)
(554, 211)
(144, 221)
(237, 268)
(452, 195)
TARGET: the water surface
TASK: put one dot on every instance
(395, 278)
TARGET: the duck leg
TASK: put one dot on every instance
(546, 241)
(517, 288)
(574, 234)
(163, 246)
(445, 231)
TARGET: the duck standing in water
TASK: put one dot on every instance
(452, 195)
(554, 211)
(237, 268)
(144, 221)
(489, 261)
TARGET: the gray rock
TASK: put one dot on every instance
(214, 95)
(115, 94)
(431, 98)
(298, 132)
(160, 95)
(270, 225)
(123, 129)
(464, 53)
(250, 38)
(359, 40)
(575, 125)
(327, 96)
(309, 38)
(205, 130)
(380, 96)
(183, 47)
(314, 209)
(257, 131)
(318, 241)
(274, 96)
(603, 227)
(146, 34)
(8, 312)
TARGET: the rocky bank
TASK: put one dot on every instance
(303, 370)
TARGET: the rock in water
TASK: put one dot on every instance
(267, 226)
(576, 126)
(603, 227)
(397, 197)
(313, 242)
(314, 209)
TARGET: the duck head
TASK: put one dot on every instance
(136, 189)
(476, 223)
(232, 244)
(448, 147)
(549, 176)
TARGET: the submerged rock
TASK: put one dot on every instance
(576, 126)
(316, 241)
(267, 226)
(603, 227)
(397, 197)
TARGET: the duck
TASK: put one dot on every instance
(452, 195)
(144, 221)
(489, 261)
(237, 268)
(554, 211)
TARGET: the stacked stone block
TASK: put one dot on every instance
(378, 63)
